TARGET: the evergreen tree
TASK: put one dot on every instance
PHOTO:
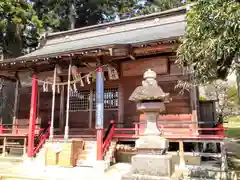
(19, 27)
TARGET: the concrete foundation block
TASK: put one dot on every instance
(130, 176)
(153, 165)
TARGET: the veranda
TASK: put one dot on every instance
(55, 94)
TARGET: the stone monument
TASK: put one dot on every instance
(151, 161)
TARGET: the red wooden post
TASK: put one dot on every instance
(99, 144)
(220, 130)
(1, 127)
(32, 118)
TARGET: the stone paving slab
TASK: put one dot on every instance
(34, 171)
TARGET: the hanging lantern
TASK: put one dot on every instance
(88, 78)
(94, 77)
(112, 73)
(44, 87)
(58, 68)
(74, 87)
(81, 81)
(70, 88)
(74, 70)
(58, 89)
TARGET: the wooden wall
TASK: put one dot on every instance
(180, 103)
(168, 75)
(44, 106)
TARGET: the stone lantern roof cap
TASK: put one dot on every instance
(150, 90)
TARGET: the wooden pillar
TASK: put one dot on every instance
(66, 131)
(24, 146)
(181, 154)
(90, 107)
(195, 110)
(120, 105)
(53, 104)
(33, 115)
(62, 109)
(4, 146)
(15, 107)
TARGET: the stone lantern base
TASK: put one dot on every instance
(150, 167)
(151, 161)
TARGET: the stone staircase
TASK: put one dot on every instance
(88, 156)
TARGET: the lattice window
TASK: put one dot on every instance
(79, 101)
(110, 98)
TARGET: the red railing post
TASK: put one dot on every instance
(220, 130)
(32, 118)
(136, 128)
(1, 127)
(17, 129)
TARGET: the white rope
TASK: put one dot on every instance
(78, 79)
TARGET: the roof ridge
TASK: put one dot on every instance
(178, 10)
(120, 31)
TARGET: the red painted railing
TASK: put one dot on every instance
(43, 138)
(172, 133)
(17, 129)
(107, 141)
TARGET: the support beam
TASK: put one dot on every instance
(90, 107)
(4, 146)
(181, 154)
(120, 104)
(224, 165)
(33, 115)
(53, 104)
(15, 107)
(67, 109)
(99, 112)
(62, 108)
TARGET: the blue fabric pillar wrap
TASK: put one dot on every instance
(99, 99)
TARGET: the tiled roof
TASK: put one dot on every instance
(150, 28)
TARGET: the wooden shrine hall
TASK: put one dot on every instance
(55, 85)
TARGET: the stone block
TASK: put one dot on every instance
(153, 165)
(152, 142)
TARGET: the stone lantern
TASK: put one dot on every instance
(151, 161)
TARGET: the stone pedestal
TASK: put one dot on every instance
(156, 145)
(153, 165)
(151, 161)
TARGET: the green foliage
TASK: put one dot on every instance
(21, 21)
(161, 5)
(58, 15)
(211, 44)
(232, 94)
(19, 27)
(202, 98)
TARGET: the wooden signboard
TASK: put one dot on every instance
(138, 67)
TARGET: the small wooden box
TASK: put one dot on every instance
(51, 156)
(68, 156)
